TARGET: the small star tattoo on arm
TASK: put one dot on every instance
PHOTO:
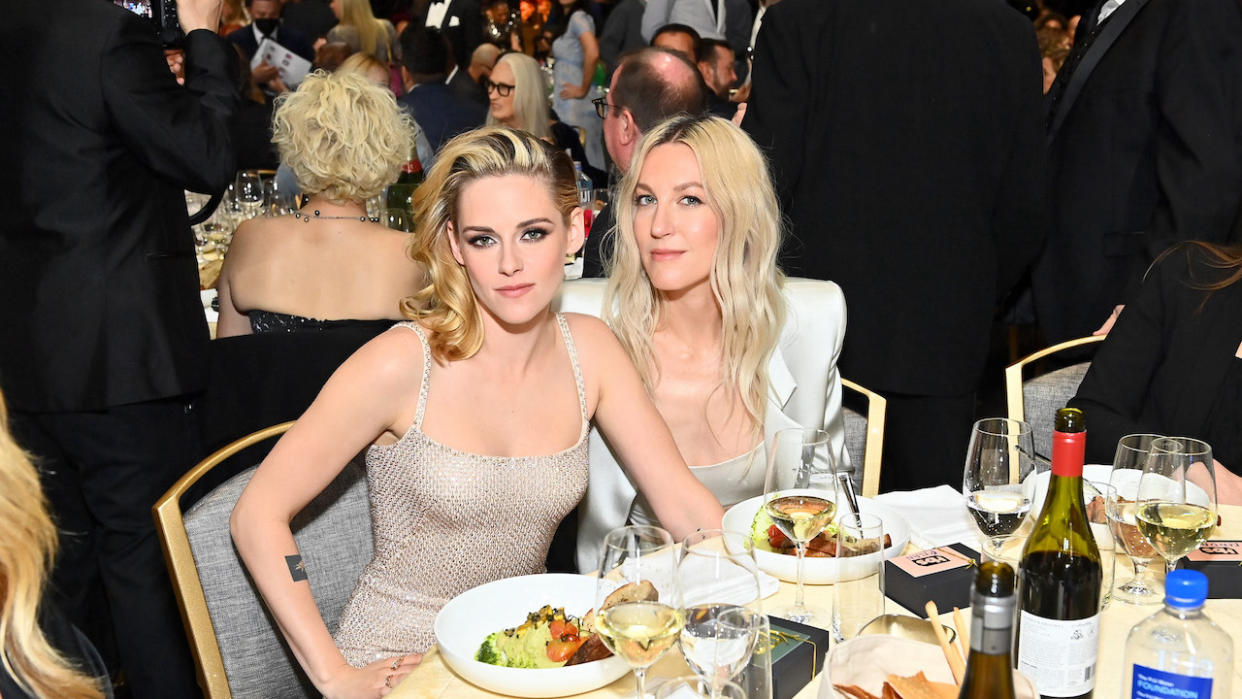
(297, 567)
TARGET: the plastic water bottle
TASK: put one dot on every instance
(1178, 651)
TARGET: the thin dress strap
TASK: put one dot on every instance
(423, 389)
(573, 360)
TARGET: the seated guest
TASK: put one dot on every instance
(345, 140)
(44, 655)
(730, 351)
(462, 490)
(470, 84)
(267, 24)
(1172, 364)
(678, 37)
(716, 63)
(376, 73)
(519, 99)
(425, 64)
(330, 55)
(251, 125)
(359, 28)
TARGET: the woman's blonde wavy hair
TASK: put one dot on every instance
(343, 137)
(27, 547)
(744, 277)
(530, 95)
(358, 14)
(447, 306)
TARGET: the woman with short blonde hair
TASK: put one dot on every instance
(345, 139)
(27, 548)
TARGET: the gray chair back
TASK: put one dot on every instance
(333, 534)
(1043, 396)
(855, 444)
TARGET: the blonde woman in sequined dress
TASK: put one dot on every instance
(476, 415)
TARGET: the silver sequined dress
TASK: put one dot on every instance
(445, 521)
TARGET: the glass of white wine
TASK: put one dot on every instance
(642, 621)
(248, 189)
(1146, 587)
(1177, 497)
(800, 497)
(997, 481)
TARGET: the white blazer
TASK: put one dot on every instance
(805, 391)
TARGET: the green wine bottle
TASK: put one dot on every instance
(400, 199)
(1059, 596)
(989, 670)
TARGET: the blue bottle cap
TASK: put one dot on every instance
(1185, 589)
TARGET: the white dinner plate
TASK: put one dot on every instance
(818, 571)
(472, 616)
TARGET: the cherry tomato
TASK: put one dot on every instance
(560, 650)
(560, 628)
(776, 537)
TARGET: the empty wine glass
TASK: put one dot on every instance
(691, 687)
(638, 627)
(248, 190)
(1177, 497)
(718, 575)
(997, 481)
(800, 498)
(1146, 587)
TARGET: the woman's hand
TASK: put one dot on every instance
(574, 92)
(374, 680)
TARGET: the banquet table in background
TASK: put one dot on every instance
(434, 680)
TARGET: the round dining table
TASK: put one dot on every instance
(433, 679)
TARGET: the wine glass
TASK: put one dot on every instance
(1146, 586)
(1177, 497)
(692, 687)
(248, 189)
(638, 631)
(800, 497)
(997, 480)
(718, 575)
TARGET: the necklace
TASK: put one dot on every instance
(307, 219)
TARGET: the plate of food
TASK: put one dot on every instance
(529, 636)
(776, 555)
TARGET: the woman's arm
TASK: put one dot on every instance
(625, 414)
(366, 396)
(590, 56)
(233, 321)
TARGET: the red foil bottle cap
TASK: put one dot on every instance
(1068, 453)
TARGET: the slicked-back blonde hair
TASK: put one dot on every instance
(530, 94)
(447, 306)
(27, 547)
(744, 277)
(343, 137)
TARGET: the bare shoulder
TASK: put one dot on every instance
(392, 361)
(590, 333)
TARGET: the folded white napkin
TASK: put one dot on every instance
(719, 580)
(937, 516)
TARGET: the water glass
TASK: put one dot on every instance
(1147, 586)
(690, 687)
(998, 480)
(1096, 496)
(858, 595)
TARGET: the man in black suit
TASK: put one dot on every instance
(104, 337)
(1145, 148)
(460, 22)
(911, 171)
(433, 104)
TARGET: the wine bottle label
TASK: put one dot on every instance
(1150, 683)
(1059, 655)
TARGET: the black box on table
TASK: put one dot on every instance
(1221, 561)
(798, 653)
(943, 575)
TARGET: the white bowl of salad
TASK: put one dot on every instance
(776, 556)
(509, 624)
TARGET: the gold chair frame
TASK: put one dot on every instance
(873, 452)
(1014, 395)
(170, 525)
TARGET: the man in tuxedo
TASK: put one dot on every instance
(460, 22)
(1145, 149)
(104, 340)
(911, 172)
(430, 101)
(649, 85)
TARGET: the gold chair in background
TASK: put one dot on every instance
(1037, 399)
(864, 433)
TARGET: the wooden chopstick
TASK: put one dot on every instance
(963, 632)
(951, 654)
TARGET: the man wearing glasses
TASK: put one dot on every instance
(649, 85)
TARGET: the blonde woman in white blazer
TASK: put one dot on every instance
(729, 349)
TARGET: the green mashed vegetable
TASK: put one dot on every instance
(525, 645)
